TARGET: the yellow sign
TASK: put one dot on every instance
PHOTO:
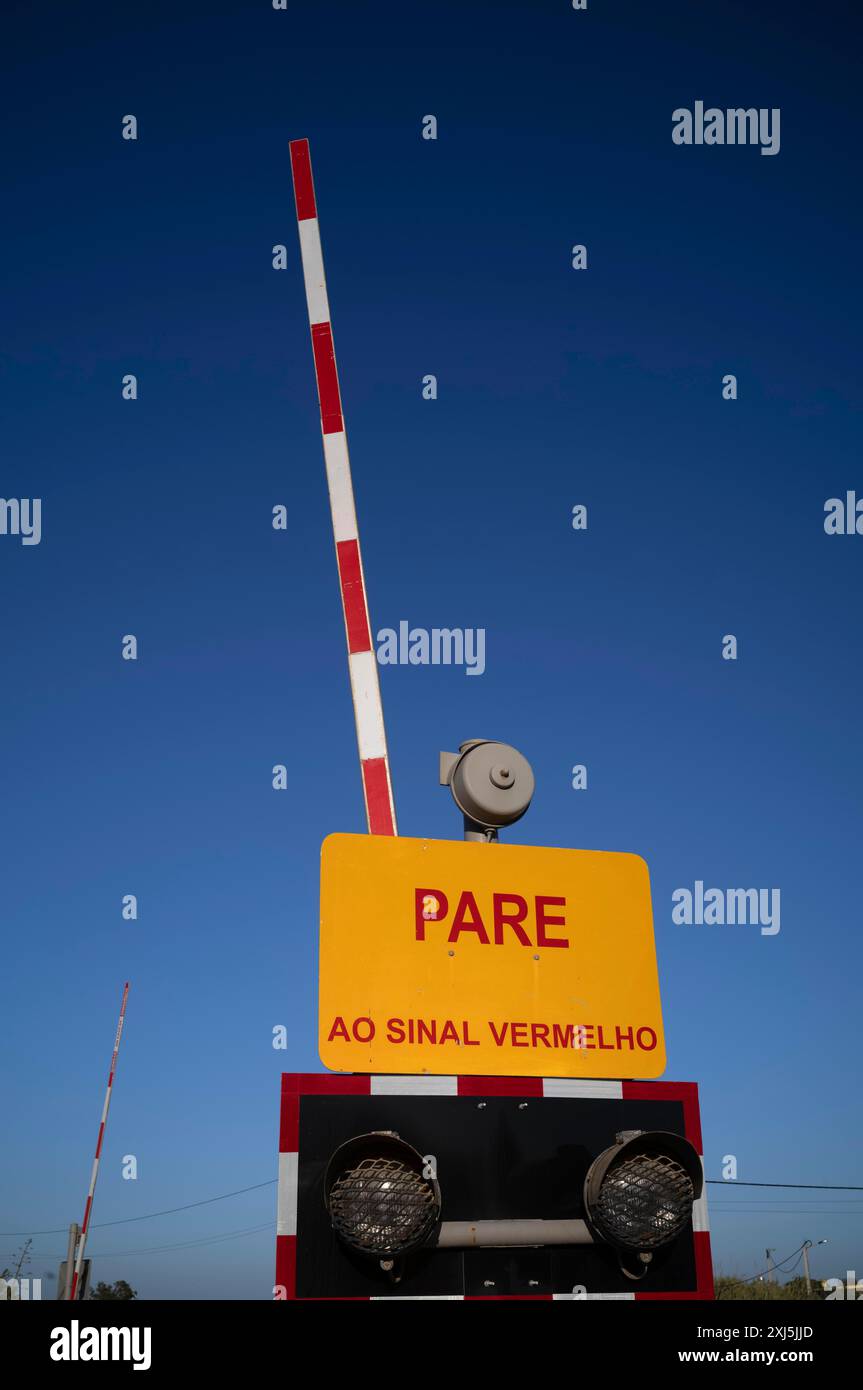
(458, 957)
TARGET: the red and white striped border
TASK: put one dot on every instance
(295, 1085)
(365, 687)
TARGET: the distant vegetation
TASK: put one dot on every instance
(759, 1289)
(118, 1290)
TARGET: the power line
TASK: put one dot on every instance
(782, 1211)
(187, 1244)
(812, 1186)
(789, 1204)
(180, 1245)
(238, 1192)
(169, 1211)
(753, 1277)
(794, 1201)
(779, 1207)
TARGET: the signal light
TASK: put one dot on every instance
(638, 1197)
(638, 1194)
(380, 1202)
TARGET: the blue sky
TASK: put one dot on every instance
(556, 387)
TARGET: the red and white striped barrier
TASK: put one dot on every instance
(85, 1224)
(365, 687)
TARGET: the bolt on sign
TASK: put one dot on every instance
(445, 957)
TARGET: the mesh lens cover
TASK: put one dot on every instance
(645, 1200)
(382, 1206)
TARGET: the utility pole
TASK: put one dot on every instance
(807, 1246)
(771, 1271)
(74, 1232)
(806, 1249)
